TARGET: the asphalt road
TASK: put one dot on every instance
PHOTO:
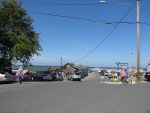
(87, 96)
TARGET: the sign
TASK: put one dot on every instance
(117, 63)
(124, 64)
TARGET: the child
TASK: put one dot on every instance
(102, 74)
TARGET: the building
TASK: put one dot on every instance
(148, 67)
(73, 68)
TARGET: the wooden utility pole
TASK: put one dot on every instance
(138, 39)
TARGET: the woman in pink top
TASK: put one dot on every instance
(122, 75)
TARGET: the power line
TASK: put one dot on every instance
(86, 19)
(47, 3)
(79, 18)
(71, 17)
(107, 35)
(89, 44)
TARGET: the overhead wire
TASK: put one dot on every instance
(79, 4)
(91, 20)
(79, 18)
(90, 44)
(107, 35)
(48, 3)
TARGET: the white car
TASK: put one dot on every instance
(6, 77)
(74, 76)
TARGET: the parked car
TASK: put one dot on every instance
(24, 77)
(74, 76)
(41, 75)
(147, 75)
(83, 74)
(6, 77)
(57, 76)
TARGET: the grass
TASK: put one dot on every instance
(140, 80)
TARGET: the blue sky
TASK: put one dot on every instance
(75, 31)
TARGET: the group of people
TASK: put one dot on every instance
(123, 74)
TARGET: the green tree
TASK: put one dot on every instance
(18, 40)
(63, 67)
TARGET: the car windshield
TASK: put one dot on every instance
(77, 73)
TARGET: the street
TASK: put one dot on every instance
(87, 96)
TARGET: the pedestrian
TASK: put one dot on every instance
(132, 75)
(113, 74)
(110, 76)
(122, 75)
(20, 74)
(127, 76)
(102, 75)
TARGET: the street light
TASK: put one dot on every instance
(103, 2)
(138, 31)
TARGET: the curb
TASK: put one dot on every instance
(112, 82)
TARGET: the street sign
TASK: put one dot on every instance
(117, 63)
(124, 64)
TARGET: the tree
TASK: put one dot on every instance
(18, 40)
(63, 67)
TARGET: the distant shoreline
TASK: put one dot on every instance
(88, 66)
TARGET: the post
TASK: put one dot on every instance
(61, 61)
(118, 67)
(138, 39)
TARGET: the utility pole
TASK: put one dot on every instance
(138, 32)
(61, 61)
(138, 38)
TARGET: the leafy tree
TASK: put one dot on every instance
(63, 67)
(18, 40)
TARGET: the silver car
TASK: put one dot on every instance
(57, 77)
(6, 77)
(74, 76)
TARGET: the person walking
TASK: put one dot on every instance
(122, 75)
(102, 75)
(132, 75)
(127, 76)
(113, 74)
(20, 74)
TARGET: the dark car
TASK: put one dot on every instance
(83, 74)
(42, 76)
(57, 76)
(147, 75)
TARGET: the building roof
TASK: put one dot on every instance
(78, 67)
(65, 70)
(53, 69)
